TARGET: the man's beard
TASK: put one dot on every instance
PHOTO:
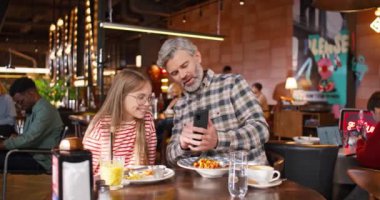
(197, 80)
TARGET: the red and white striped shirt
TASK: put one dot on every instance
(98, 140)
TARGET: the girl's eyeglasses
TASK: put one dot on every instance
(142, 99)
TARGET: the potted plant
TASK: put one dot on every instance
(53, 92)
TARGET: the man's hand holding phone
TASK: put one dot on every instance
(200, 136)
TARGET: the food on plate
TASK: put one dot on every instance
(207, 163)
(135, 176)
(148, 172)
(138, 175)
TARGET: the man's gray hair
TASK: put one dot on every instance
(170, 46)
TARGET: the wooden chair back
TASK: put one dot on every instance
(275, 160)
(367, 179)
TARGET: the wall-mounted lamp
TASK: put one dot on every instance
(375, 25)
(126, 27)
(184, 20)
(241, 2)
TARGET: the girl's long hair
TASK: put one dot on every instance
(125, 82)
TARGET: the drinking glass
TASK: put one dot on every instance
(112, 171)
(237, 174)
(159, 171)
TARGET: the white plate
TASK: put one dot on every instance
(271, 184)
(306, 140)
(187, 163)
(168, 173)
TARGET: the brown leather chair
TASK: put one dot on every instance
(275, 160)
(309, 165)
(367, 179)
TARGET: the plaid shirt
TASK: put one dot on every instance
(234, 111)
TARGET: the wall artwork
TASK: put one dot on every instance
(320, 54)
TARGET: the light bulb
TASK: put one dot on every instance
(377, 12)
(52, 27)
(60, 22)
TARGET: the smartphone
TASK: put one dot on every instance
(201, 118)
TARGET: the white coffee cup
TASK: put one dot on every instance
(262, 174)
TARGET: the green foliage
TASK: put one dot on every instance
(52, 92)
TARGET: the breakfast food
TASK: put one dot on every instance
(134, 176)
(207, 163)
(138, 175)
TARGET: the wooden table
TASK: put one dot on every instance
(187, 184)
(27, 186)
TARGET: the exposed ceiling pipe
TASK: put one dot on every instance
(3, 12)
(17, 53)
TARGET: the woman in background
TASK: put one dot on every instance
(7, 113)
(174, 93)
(256, 89)
(126, 115)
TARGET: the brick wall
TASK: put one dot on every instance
(368, 45)
(258, 38)
(258, 41)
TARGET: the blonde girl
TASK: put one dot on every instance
(126, 114)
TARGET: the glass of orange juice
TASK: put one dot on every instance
(112, 171)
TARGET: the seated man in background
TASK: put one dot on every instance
(236, 120)
(42, 128)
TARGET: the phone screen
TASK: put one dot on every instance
(201, 118)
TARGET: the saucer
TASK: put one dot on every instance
(266, 185)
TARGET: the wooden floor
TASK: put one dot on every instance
(33, 187)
